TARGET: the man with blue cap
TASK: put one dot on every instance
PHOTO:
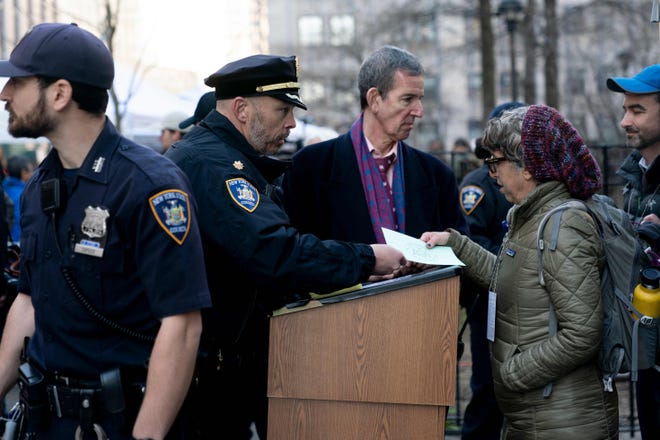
(256, 261)
(641, 173)
(106, 296)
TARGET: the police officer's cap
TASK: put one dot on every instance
(259, 75)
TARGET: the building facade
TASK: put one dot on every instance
(595, 40)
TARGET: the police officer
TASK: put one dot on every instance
(106, 291)
(255, 258)
(485, 209)
(205, 104)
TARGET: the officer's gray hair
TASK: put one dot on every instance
(503, 134)
(379, 69)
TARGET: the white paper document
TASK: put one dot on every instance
(415, 250)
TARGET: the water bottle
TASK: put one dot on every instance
(646, 297)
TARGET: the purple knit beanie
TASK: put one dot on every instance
(552, 149)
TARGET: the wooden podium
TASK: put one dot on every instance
(377, 363)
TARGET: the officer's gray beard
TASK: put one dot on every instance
(261, 140)
(35, 123)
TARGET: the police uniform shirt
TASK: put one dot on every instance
(127, 232)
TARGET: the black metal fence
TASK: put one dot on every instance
(609, 157)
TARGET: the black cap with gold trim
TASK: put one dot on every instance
(259, 75)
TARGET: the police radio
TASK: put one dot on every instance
(50, 195)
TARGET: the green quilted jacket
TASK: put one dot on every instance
(524, 357)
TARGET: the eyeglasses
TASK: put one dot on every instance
(493, 161)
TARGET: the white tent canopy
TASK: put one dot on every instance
(149, 103)
(144, 110)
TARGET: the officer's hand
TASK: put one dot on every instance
(413, 267)
(651, 218)
(435, 238)
(389, 261)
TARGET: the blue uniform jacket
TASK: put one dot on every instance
(255, 258)
(135, 206)
(323, 193)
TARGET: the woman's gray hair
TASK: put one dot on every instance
(379, 69)
(504, 133)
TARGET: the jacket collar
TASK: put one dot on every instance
(632, 173)
(542, 198)
(269, 167)
(96, 164)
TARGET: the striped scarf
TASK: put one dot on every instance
(378, 199)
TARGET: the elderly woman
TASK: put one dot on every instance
(540, 161)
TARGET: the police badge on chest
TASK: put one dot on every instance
(94, 232)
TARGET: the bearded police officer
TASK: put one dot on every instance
(254, 257)
(112, 276)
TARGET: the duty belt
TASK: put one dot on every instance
(86, 399)
(68, 401)
(81, 403)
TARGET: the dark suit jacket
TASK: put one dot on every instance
(323, 193)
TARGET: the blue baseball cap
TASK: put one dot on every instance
(60, 50)
(646, 81)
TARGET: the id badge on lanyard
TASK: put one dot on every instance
(492, 309)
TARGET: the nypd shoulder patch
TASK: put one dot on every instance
(172, 211)
(471, 196)
(243, 193)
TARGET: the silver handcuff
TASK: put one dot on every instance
(100, 433)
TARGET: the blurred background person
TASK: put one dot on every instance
(7, 290)
(463, 159)
(170, 131)
(19, 170)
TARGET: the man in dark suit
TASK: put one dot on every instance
(349, 187)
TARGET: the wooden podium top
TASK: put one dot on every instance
(368, 289)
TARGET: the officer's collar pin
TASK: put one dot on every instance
(98, 164)
(238, 165)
